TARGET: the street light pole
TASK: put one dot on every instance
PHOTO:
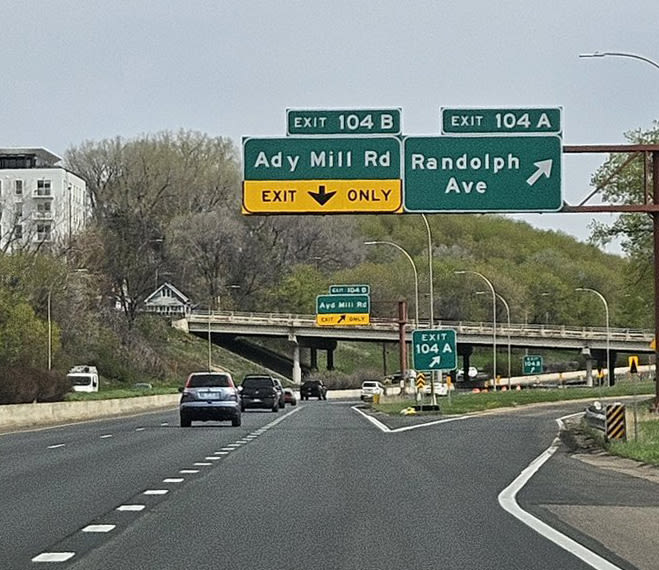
(606, 311)
(432, 295)
(50, 335)
(416, 275)
(507, 307)
(494, 322)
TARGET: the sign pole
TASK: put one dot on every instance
(402, 322)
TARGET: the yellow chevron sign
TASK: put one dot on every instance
(343, 319)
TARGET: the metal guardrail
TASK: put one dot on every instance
(595, 416)
(461, 327)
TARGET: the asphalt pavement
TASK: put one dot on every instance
(317, 485)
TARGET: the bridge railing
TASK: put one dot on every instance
(464, 327)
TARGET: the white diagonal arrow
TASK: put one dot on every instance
(434, 361)
(543, 167)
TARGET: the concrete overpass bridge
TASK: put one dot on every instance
(302, 333)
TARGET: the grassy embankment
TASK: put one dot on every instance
(182, 353)
(643, 448)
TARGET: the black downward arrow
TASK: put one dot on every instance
(322, 196)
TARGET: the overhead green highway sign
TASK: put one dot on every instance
(343, 122)
(482, 174)
(330, 304)
(434, 349)
(322, 175)
(501, 121)
(349, 289)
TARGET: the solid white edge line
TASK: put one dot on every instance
(507, 500)
(377, 423)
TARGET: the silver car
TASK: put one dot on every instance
(209, 396)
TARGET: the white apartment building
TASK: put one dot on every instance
(41, 203)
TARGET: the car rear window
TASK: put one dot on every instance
(369, 385)
(210, 380)
(257, 382)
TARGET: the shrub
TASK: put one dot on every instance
(24, 385)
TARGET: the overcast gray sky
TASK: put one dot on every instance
(90, 69)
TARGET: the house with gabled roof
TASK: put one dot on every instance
(169, 301)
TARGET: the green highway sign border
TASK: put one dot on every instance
(349, 289)
(528, 364)
(352, 300)
(344, 122)
(423, 357)
(483, 174)
(322, 158)
(499, 121)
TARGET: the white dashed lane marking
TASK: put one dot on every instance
(131, 508)
(106, 436)
(57, 445)
(188, 471)
(99, 528)
(54, 557)
(156, 492)
(203, 464)
(173, 480)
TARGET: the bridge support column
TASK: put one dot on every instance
(330, 359)
(589, 371)
(297, 370)
(313, 358)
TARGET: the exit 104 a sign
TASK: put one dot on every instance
(501, 121)
(434, 349)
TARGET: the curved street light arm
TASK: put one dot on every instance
(621, 54)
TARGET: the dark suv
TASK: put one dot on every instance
(209, 396)
(314, 388)
(260, 391)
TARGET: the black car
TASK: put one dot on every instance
(314, 388)
(260, 391)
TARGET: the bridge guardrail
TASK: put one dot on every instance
(463, 327)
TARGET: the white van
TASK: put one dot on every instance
(371, 388)
(84, 378)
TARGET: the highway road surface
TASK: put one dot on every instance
(314, 486)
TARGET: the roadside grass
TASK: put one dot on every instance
(466, 402)
(112, 393)
(646, 447)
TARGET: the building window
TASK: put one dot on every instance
(18, 187)
(44, 207)
(18, 211)
(43, 187)
(18, 231)
(43, 232)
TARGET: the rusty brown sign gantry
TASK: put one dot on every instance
(650, 205)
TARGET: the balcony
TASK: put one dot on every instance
(42, 194)
(48, 216)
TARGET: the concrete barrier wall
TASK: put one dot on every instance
(17, 416)
(22, 416)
